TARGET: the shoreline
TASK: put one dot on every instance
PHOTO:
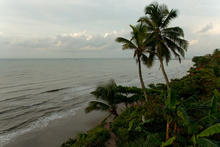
(58, 131)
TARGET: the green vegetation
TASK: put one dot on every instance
(166, 40)
(95, 137)
(139, 41)
(185, 115)
(108, 97)
(184, 112)
(203, 78)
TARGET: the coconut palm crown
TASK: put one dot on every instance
(107, 98)
(166, 40)
(139, 42)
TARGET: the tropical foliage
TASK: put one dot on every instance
(108, 97)
(166, 40)
(139, 42)
(202, 78)
(184, 112)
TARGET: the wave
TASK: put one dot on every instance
(6, 137)
(54, 90)
(14, 109)
(22, 97)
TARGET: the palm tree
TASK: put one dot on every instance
(166, 39)
(138, 42)
(108, 97)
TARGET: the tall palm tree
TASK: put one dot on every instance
(138, 42)
(167, 40)
(108, 97)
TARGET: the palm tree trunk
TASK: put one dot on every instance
(141, 79)
(167, 131)
(114, 112)
(164, 73)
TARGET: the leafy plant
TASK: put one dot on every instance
(109, 98)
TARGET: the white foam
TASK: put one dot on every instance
(42, 122)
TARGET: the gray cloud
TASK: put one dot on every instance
(30, 27)
(79, 44)
(206, 28)
(83, 41)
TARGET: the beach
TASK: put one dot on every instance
(59, 131)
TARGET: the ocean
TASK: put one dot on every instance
(35, 92)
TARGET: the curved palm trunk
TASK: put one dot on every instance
(114, 112)
(164, 73)
(141, 80)
(167, 131)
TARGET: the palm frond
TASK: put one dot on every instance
(148, 23)
(176, 46)
(172, 14)
(96, 105)
(173, 31)
(171, 101)
(210, 119)
(148, 61)
(214, 102)
(209, 131)
(204, 142)
(188, 123)
(165, 52)
(127, 44)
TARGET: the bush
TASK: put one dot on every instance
(94, 138)
(130, 126)
(201, 82)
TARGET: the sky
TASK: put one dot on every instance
(88, 28)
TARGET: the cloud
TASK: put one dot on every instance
(193, 42)
(206, 28)
(72, 42)
(112, 33)
(84, 41)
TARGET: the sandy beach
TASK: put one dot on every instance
(60, 130)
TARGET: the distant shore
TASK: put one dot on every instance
(59, 131)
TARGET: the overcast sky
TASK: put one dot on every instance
(88, 28)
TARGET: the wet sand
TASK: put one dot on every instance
(60, 130)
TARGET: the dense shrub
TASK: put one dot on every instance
(201, 82)
(94, 138)
(134, 122)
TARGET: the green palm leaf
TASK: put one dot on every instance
(108, 96)
(204, 142)
(95, 105)
(168, 142)
(173, 32)
(191, 100)
(214, 102)
(171, 100)
(217, 94)
(127, 44)
(209, 131)
(171, 16)
(148, 61)
(210, 119)
(188, 123)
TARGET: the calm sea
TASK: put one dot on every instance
(34, 92)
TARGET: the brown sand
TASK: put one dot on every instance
(59, 131)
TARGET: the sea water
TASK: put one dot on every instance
(34, 92)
